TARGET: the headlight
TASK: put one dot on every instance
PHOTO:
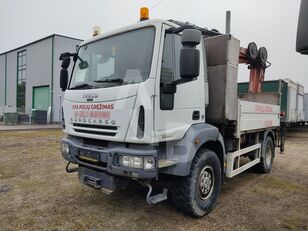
(65, 149)
(137, 162)
(149, 163)
(125, 160)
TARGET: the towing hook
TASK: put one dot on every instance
(70, 170)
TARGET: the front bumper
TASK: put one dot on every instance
(106, 158)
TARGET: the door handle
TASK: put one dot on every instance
(196, 115)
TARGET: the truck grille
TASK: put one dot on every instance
(104, 130)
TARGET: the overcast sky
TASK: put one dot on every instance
(270, 23)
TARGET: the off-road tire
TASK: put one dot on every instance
(187, 192)
(267, 156)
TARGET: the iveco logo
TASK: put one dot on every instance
(90, 95)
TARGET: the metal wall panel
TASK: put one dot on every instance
(300, 89)
(295, 102)
(216, 50)
(300, 103)
(2, 84)
(275, 87)
(253, 116)
(300, 108)
(38, 69)
(223, 56)
(306, 106)
(292, 117)
(270, 98)
(11, 84)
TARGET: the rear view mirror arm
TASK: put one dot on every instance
(205, 32)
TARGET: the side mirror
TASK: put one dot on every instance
(190, 56)
(64, 73)
(63, 79)
(302, 29)
(83, 64)
(66, 60)
(66, 63)
(64, 55)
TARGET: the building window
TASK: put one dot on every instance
(21, 80)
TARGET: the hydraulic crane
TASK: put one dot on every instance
(257, 60)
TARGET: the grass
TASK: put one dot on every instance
(37, 194)
(294, 224)
(277, 183)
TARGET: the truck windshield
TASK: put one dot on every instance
(118, 60)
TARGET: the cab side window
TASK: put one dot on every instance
(170, 69)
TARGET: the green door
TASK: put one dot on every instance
(41, 98)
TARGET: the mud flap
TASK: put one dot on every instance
(282, 136)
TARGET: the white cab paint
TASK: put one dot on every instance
(189, 97)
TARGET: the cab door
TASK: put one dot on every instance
(175, 112)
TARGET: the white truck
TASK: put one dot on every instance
(157, 101)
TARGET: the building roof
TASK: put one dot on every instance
(36, 41)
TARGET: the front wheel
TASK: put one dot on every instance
(196, 194)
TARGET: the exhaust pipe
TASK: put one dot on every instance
(228, 22)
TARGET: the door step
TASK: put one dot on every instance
(156, 198)
(159, 197)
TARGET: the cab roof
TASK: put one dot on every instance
(140, 24)
(177, 25)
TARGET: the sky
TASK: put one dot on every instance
(269, 23)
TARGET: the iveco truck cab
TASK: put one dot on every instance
(157, 101)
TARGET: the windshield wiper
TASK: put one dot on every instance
(118, 80)
(82, 86)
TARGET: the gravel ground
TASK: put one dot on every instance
(37, 194)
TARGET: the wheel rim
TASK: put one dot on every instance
(206, 182)
(268, 155)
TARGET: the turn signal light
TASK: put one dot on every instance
(144, 13)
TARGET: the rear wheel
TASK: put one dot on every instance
(267, 156)
(196, 194)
